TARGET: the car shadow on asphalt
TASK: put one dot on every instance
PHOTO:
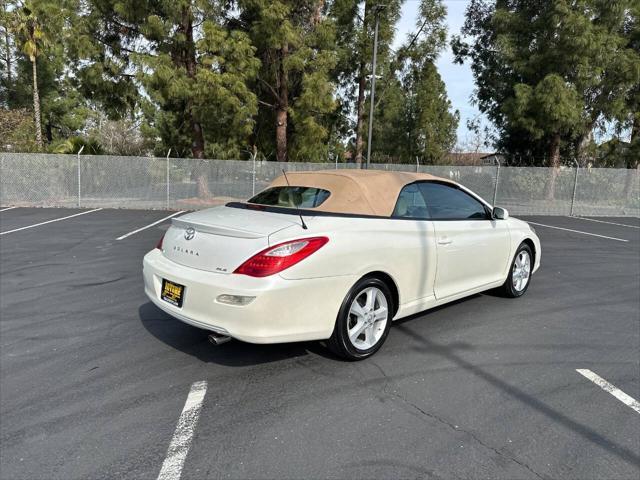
(193, 341)
(448, 351)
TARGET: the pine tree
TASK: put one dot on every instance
(414, 117)
(548, 72)
(355, 23)
(295, 43)
(192, 66)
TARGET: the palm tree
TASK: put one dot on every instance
(30, 29)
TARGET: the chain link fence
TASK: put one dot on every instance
(181, 184)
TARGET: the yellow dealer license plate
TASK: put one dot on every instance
(172, 293)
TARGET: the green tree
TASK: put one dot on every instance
(630, 117)
(413, 116)
(29, 27)
(548, 71)
(7, 52)
(63, 108)
(42, 80)
(295, 44)
(192, 67)
(101, 53)
(355, 23)
(17, 131)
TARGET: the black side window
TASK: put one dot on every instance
(449, 203)
(411, 204)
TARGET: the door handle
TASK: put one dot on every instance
(445, 241)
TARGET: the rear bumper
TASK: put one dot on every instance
(282, 311)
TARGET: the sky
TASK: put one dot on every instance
(457, 78)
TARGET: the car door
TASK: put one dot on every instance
(472, 248)
(414, 241)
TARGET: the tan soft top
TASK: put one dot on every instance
(362, 192)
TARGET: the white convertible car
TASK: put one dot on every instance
(336, 256)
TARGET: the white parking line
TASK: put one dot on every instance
(150, 225)
(609, 223)
(181, 441)
(613, 390)
(7, 208)
(50, 221)
(578, 231)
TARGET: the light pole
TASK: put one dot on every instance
(377, 9)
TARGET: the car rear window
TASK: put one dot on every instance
(302, 197)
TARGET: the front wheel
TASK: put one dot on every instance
(520, 275)
(364, 320)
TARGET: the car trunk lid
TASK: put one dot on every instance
(220, 239)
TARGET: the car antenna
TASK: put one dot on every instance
(295, 204)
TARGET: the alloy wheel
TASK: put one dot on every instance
(521, 271)
(368, 317)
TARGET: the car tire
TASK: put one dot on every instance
(520, 272)
(360, 328)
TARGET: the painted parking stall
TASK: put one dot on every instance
(6, 232)
(183, 436)
(626, 399)
(157, 222)
(618, 224)
(579, 232)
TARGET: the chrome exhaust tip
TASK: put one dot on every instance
(217, 339)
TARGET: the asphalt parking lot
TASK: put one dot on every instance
(94, 377)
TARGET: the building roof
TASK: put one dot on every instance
(362, 192)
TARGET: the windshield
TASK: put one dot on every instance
(302, 197)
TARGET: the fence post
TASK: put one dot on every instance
(168, 153)
(575, 187)
(253, 173)
(495, 187)
(79, 184)
(417, 164)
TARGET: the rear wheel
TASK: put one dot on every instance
(520, 275)
(364, 320)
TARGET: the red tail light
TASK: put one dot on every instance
(280, 257)
(159, 245)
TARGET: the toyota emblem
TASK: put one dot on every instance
(189, 233)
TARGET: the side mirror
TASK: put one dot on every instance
(500, 213)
